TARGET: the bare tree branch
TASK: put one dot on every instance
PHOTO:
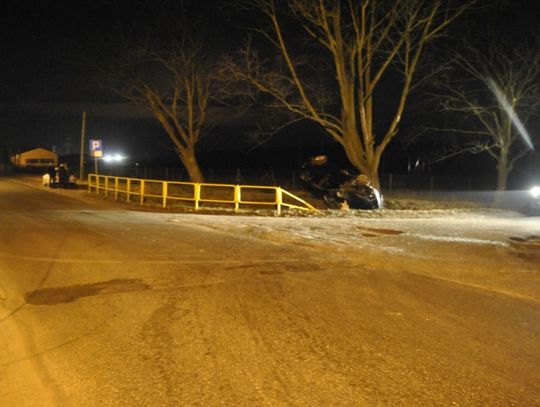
(466, 93)
(177, 86)
(362, 42)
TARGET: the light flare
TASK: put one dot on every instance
(113, 158)
(505, 104)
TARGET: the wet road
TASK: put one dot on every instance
(103, 306)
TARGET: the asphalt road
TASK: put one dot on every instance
(105, 306)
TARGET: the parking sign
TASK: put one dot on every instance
(96, 148)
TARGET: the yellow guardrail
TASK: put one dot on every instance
(165, 192)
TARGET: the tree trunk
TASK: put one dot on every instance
(192, 167)
(373, 174)
(366, 165)
(502, 178)
(502, 173)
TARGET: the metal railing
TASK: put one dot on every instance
(165, 192)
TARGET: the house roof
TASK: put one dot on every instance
(40, 150)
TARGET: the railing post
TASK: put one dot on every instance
(279, 199)
(128, 189)
(237, 197)
(165, 191)
(116, 180)
(106, 185)
(142, 192)
(197, 193)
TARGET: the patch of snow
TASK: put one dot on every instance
(455, 239)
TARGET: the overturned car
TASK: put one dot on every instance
(337, 187)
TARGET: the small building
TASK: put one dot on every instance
(36, 158)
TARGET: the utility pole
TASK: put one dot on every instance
(83, 134)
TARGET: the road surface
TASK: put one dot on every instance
(102, 305)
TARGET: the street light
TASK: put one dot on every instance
(113, 158)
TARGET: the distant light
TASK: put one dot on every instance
(113, 158)
(535, 192)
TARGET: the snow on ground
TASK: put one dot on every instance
(480, 226)
(436, 220)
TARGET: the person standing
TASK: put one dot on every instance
(63, 176)
(52, 174)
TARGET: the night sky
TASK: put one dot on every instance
(47, 79)
(49, 53)
(45, 86)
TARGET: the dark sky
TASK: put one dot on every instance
(47, 75)
(44, 86)
(48, 47)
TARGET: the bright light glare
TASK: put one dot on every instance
(511, 113)
(535, 192)
(113, 158)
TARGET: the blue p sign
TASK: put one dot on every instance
(96, 148)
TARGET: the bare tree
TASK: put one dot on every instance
(492, 94)
(164, 60)
(177, 87)
(363, 42)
